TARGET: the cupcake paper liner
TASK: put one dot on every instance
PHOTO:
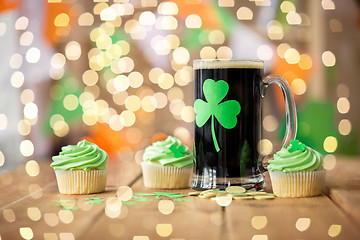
(158, 176)
(297, 184)
(80, 181)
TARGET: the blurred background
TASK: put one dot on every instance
(119, 73)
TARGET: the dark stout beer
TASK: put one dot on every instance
(236, 163)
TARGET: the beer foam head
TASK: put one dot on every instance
(236, 63)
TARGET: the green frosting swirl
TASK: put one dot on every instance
(169, 152)
(83, 156)
(287, 160)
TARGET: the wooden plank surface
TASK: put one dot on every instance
(45, 217)
(284, 218)
(349, 201)
(343, 186)
(17, 184)
(345, 174)
(302, 218)
(205, 219)
(187, 219)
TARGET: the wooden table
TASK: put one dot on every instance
(32, 208)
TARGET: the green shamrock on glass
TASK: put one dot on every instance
(225, 112)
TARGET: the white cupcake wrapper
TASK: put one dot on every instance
(158, 176)
(297, 184)
(80, 181)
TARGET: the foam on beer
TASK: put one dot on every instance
(214, 64)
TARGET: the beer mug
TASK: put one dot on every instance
(228, 124)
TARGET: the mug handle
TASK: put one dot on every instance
(290, 110)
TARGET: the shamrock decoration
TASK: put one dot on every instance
(296, 145)
(224, 112)
(178, 151)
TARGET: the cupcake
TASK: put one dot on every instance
(80, 169)
(167, 164)
(297, 171)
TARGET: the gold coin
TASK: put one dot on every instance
(209, 190)
(243, 198)
(235, 189)
(203, 196)
(238, 194)
(210, 194)
(193, 193)
(255, 193)
(264, 197)
(213, 198)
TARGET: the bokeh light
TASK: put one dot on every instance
(207, 53)
(3, 121)
(334, 230)
(30, 110)
(259, 222)
(164, 229)
(328, 58)
(226, 3)
(265, 147)
(26, 148)
(342, 91)
(270, 123)
(287, 6)
(292, 56)
(86, 19)
(127, 118)
(2, 159)
(329, 162)
(328, 4)
(193, 21)
(298, 86)
(166, 207)
(73, 50)
(34, 213)
(108, 14)
(147, 18)
(244, 13)
(26, 38)
(264, 52)
(224, 53)
(223, 199)
(275, 30)
(33, 55)
(330, 144)
(302, 224)
(9, 215)
(168, 8)
(21, 23)
(32, 168)
(305, 62)
(343, 105)
(62, 20)
(293, 18)
(188, 114)
(335, 25)
(26, 232)
(344, 127)
(71, 102)
(15, 61)
(165, 81)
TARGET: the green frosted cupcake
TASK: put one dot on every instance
(297, 171)
(80, 169)
(167, 164)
